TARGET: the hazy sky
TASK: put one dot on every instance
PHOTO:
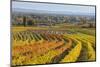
(54, 7)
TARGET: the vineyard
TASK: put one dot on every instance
(31, 46)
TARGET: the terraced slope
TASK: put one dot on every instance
(43, 47)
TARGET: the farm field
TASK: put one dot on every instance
(50, 33)
(35, 45)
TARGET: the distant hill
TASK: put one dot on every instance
(44, 12)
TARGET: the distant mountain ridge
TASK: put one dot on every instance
(30, 11)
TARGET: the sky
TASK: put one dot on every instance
(54, 7)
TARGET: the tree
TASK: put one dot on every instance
(30, 23)
(24, 21)
(90, 25)
(83, 20)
